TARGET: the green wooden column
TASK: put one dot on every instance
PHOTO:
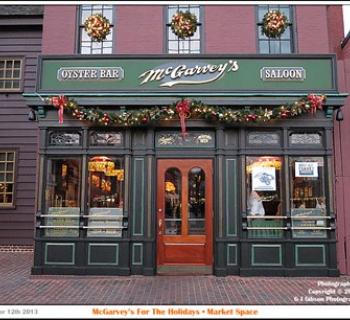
(142, 188)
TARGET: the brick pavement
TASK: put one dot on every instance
(17, 286)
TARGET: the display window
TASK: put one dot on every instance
(106, 196)
(308, 200)
(264, 197)
(62, 197)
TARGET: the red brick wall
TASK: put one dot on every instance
(230, 29)
(140, 29)
(59, 29)
(311, 29)
(342, 167)
(335, 28)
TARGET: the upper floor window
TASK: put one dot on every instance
(10, 74)
(7, 178)
(86, 44)
(282, 44)
(187, 45)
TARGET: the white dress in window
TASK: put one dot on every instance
(255, 205)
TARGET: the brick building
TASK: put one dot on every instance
(341, 130)
(127, 188)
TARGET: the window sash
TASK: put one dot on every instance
(87, 45)
(61, 217)
(191, 45)
(11, 74)
(282, 44)
(7, 178)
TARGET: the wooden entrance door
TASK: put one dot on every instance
(184, 214)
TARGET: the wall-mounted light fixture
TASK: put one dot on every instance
(339, 116)
(32, 115)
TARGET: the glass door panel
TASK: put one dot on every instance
(196, 201)
(172, 194)
(184, 224)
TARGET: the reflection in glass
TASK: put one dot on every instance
(62, 183)
(307, 182)
(86, 44)
(282, 44)
(196, 201)
(62, 196)
(106, 177)
(308, 201)
(264, 185)
(264, 196)
(172, 193)
(189, 45)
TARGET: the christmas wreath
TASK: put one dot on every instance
(184, 24)
(274, 23)
(97, 27)
(185, 109)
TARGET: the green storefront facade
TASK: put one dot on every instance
(137, 196)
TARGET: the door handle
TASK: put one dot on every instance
(160, 222)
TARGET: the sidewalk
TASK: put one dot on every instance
(17, 286)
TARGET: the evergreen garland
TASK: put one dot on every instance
(198, 110)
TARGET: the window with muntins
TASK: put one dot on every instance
(86, 44)
(10, 74)
(282, 44)
(188, 45)
(83, 191)
(7, 178)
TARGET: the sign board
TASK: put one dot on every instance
(59, 218)
(264, 179)
(111, 218)
(233, 73)
(283, 74)
(306, 169)
(308, 222)
(90, 73)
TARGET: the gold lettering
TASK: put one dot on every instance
(178, 72)
(184, 71)
(152, 75)
(190, 72)
(234, 65)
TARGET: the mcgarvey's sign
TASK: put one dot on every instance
(186, 74)
(172, 74)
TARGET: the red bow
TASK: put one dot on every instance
(183, 109)
(59, 102)
(316, 102)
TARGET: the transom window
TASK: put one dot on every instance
(282, 44)
(188, 45)
(88, 46)
(10, 74)
(7, 178)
